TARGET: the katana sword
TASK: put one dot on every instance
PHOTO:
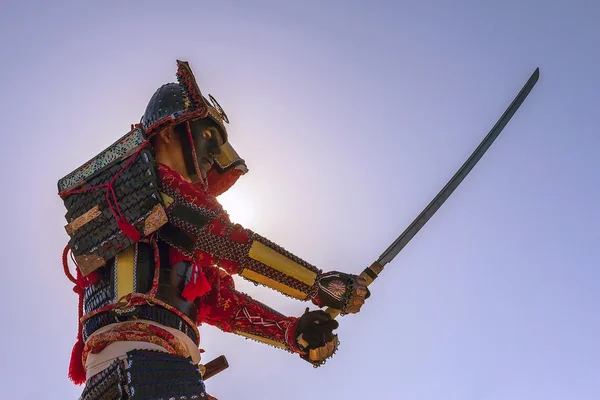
(372, 272)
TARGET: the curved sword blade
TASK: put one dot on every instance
(372, 272)
(410, 232)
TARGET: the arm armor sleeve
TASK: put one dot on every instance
(240, 314)
(200, 232)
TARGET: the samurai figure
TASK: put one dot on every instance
(156, 253)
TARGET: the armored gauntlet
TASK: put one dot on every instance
(341, 291)
(314, 336)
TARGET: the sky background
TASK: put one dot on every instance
(351, 116)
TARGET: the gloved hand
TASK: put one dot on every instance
(314, 336)
(341, 291)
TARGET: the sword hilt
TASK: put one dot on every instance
(213, 367)
(369, 274)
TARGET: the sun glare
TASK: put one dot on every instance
(239, 206)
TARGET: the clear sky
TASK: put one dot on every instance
(351, 116)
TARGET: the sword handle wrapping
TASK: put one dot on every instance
(369, 274)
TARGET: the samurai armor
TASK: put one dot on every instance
(132, 271)
(116, 151)
(148, 375)
(96, 235)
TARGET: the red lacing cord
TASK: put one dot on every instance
(76, 369)
(66, 265)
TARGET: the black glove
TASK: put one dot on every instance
(314, 335)
(341, 291)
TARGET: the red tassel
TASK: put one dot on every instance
(197, 286)
(76, 370)
(129, 230)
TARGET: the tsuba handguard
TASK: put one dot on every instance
(342, 291)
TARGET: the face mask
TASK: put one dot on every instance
(208, 141)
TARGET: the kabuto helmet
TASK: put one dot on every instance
(183, 102)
